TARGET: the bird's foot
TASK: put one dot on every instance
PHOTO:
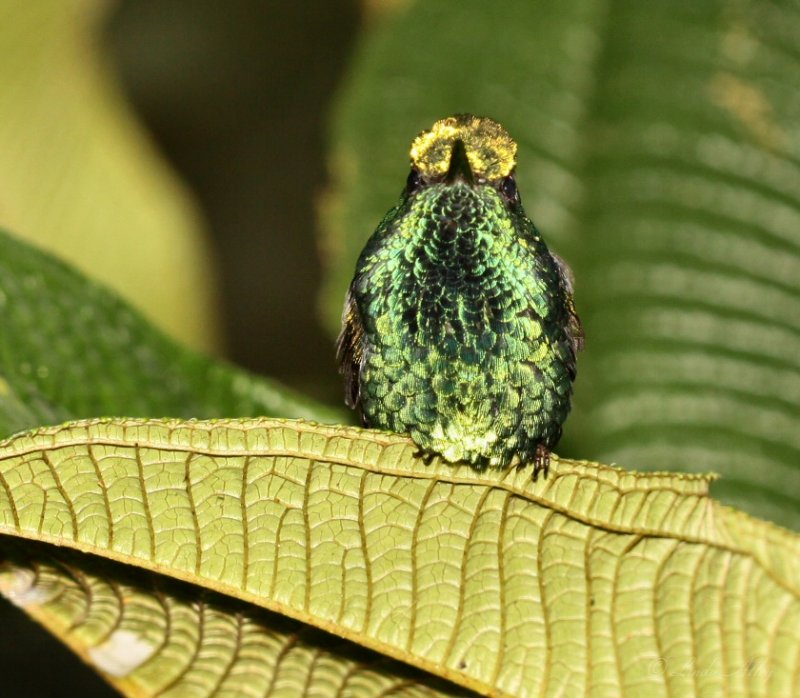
(425, 456)
(541, 462)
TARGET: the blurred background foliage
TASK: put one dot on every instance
(659, 148)
(659, 154)
(80, 176)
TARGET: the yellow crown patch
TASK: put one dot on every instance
(490, 150)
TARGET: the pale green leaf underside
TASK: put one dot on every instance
(150, 635)
(592, 577)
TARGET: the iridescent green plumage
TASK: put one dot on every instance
(459, 327)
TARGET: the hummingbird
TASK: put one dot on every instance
(459, 327)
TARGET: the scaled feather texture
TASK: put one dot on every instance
(459, 327)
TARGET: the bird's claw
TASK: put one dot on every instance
(425, 456)
(541, 462)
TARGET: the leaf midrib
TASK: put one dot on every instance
(398, 440)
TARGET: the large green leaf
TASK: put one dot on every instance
(194, 643)
(594, 577)
(79, 175)
(70, 349)
(659, 154)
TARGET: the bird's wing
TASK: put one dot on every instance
(568, 281)
(350, 349)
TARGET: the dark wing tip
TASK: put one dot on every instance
(568, 282)
(349, 350)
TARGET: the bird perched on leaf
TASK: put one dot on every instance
(459, 327)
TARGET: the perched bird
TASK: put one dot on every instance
(459, 327)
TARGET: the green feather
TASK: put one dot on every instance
(466, 334)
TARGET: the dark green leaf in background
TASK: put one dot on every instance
(660, 154)
(70, 349)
